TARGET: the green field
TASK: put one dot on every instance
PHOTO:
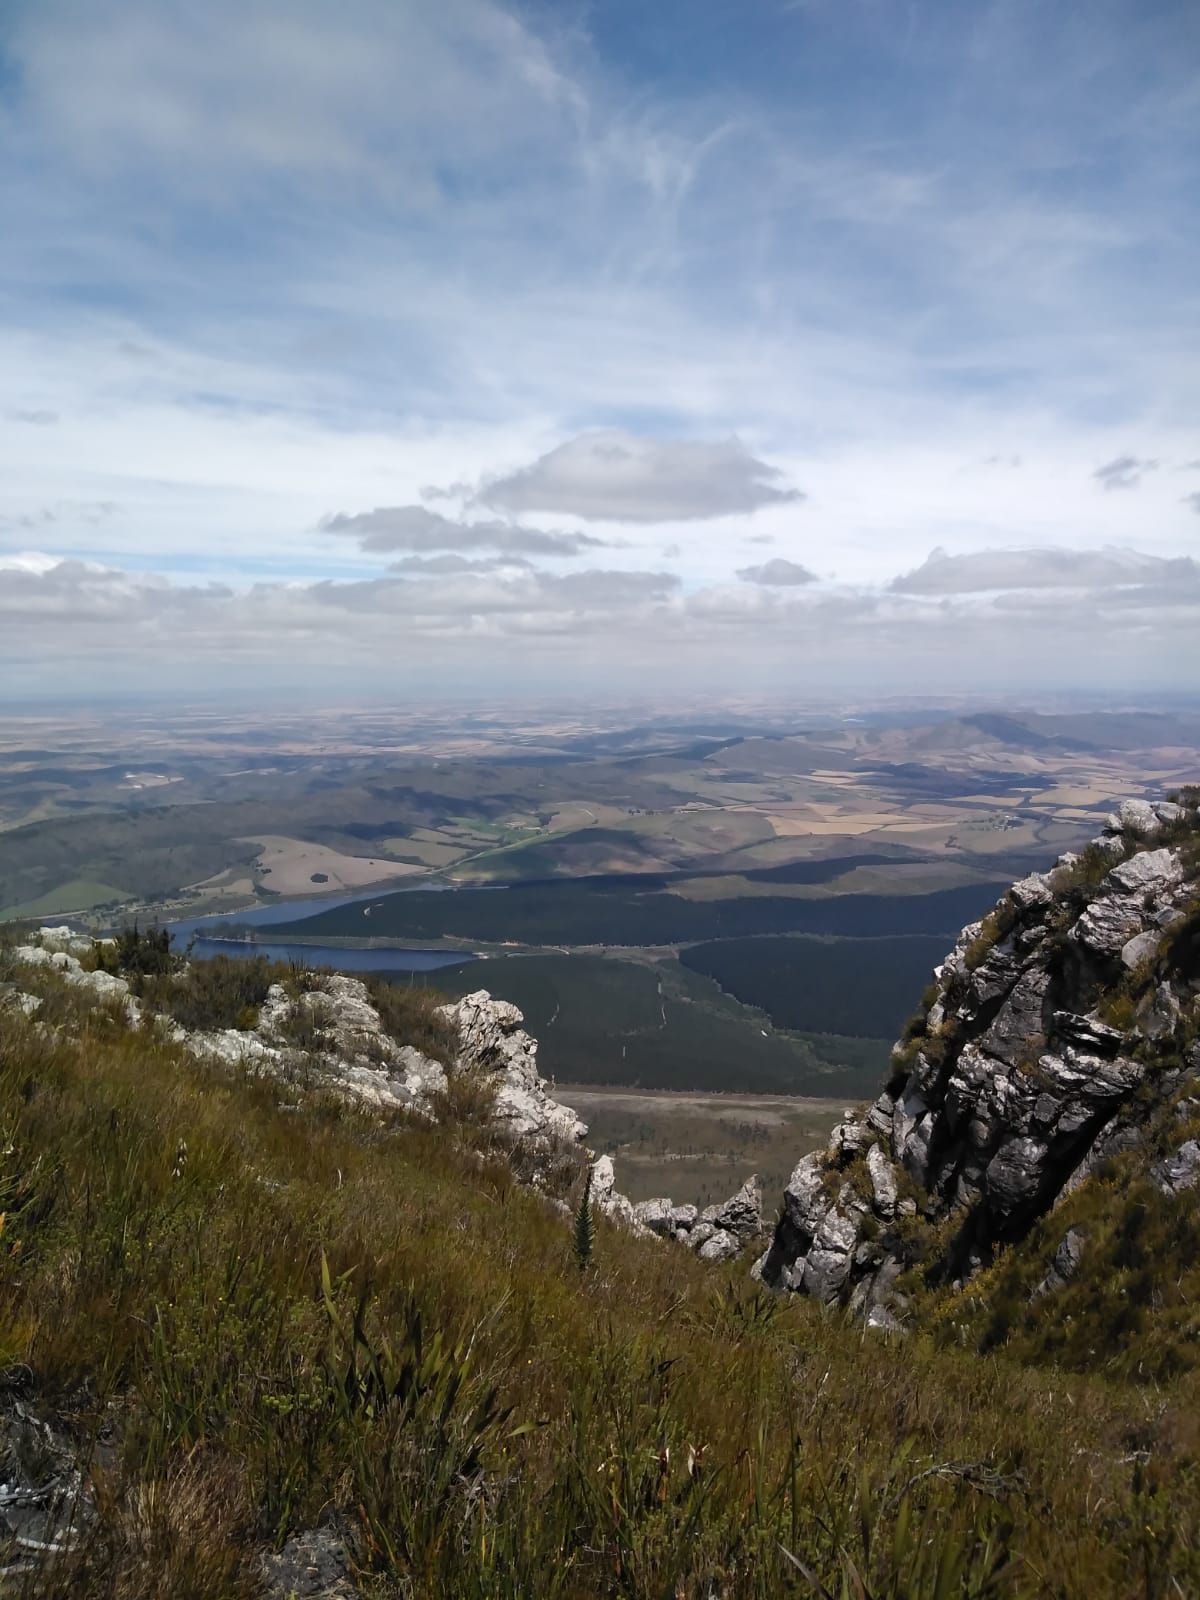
(602, 1019)
(78, 894)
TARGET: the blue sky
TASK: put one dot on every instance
(463, 343)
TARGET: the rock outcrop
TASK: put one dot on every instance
(1055, 1032)
(325, 1029)
(492, 1040)
(718, 1233)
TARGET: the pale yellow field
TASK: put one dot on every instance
(291, 864)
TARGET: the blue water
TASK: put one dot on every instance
(328, 955)
(260, 916)
(214, 936)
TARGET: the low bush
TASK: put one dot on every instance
(410, 1014)
(223, 992)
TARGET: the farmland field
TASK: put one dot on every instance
(742, 899)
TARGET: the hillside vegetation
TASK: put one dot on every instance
(249, 1311)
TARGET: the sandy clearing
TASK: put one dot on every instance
(292, 863)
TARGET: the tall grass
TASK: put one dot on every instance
(324, 1314)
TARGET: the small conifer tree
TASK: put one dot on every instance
(584, 1238)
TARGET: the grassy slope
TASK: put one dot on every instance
(650, 1427)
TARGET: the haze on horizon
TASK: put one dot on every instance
(763, 346)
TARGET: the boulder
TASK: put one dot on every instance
(492, 1040)
(741, 1214)
(657, 1215)
(883, 1182)
(1151, 872)
(1135, 817)
(1180, 1171)
(1108, 925)
(1065, 1264)
(721, 1246)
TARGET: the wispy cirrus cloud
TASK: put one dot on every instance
(264, 261)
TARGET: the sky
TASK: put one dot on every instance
(779, 347)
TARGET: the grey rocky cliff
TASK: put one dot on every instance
(1054, 1031)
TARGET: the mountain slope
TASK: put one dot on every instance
(1054, 1064)
(265, 1341)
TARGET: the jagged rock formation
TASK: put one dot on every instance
(491, 1039)
(1056, 1033)
(718, 1233)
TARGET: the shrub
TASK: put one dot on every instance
(224, 992)
(410, 1014)
(997, 925)
(137, 952)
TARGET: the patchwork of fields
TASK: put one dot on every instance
(745, 901)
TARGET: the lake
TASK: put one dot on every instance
(212, 939)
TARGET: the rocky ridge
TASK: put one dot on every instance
(324, 1029)
(328, 1027)
(1058, 1033)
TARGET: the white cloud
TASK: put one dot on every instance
(449, 564)
(613, 476)
(261, 261)
(778, 573)
(67, 624)
(987, 570)
(416, 528)
(379, 91)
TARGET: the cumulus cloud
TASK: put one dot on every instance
(416, 528)
(1123, 472)
(83, 591)
(1193, 500)
(614, 476)
(985, 570)
(777, 573)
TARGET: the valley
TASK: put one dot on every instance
(740, 900)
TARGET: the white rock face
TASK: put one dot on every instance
(493, 1040)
